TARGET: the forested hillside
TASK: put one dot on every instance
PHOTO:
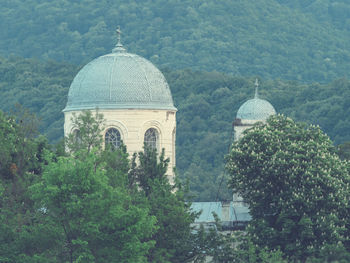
(305, 40)
(40, 87)
(207, 103)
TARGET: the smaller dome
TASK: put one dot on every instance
(256, 109)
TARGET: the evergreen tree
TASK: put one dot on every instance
(174, 239)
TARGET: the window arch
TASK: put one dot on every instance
(76, 136)
(152, 138)
(113, 138)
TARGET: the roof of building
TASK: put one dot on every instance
(237, 213)
(256, 108)
(119, 80)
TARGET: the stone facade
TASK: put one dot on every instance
(132, 125)
(241, 125)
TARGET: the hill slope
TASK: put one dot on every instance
(305, 40)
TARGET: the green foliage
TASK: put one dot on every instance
(40, 87)
(233, 247)
(303, 40)
(296, 186)
(21, 163)
(7, 144)
(117, 167)
(174, 240)
(93, 206)
(332, 254)
(98, 221)
(86, 132)
(72, 209)
(344, 150)
(18, 145)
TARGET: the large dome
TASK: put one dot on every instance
(256, 109)
(119, 80)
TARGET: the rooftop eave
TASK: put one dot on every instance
(120, 107)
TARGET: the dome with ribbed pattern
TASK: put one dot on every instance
(119, 80)
(255, 109)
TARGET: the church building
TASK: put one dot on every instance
(134, 98)
(234, 214)
(252, 111)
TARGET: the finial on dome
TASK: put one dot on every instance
(256, 88)
(118, 47)
(119, 32)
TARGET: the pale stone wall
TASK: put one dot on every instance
(132, 125)
(241, 125)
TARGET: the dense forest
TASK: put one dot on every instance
(207, 103)
(305, 40)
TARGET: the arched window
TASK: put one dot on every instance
(112, 137)
(151, 138)
(76, 136)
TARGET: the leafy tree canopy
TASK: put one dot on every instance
(296, 186)
(87, 132)
(21, 163)
(40, 87)
(98, 222)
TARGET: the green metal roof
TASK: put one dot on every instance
(207, 209)
(236, 213)
(256, 109)
(119, 80)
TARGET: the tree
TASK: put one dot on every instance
(21, 161)
(20, 148)
(87, 128)
(146, 185)
(344, 150)
(98, 222)
(8, 132)
(237, 247)
(83, 210)
(296, 186)
(173, 239)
